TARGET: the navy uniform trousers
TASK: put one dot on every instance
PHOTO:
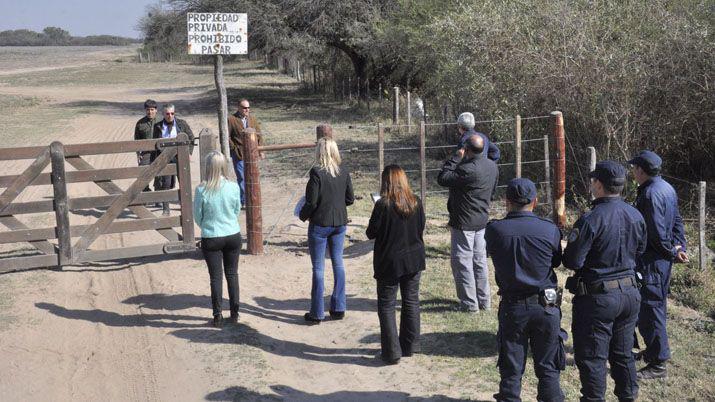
(523, 323)
(603, 328)
(653, 310)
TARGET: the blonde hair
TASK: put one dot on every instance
(215, 171)
(327, 156)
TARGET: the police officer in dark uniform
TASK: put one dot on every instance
(603, 249)
(658, 202)
(525, 249)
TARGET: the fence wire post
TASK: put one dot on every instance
(380, 152)
(701, 225)
(254, 219)
(517, 145)
(559, 184)
(395, 105)
(423, 165)
(408, 111)
(547, 170)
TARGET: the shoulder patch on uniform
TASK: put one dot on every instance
(573, 235)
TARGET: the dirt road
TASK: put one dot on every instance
(139, 330)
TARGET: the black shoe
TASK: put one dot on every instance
(218, 321)
(233, 319)
(311, 320)
(389, 362)
(653, 371)
(337, 315)
(638, 356)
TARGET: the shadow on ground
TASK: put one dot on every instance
(284, 392)
(451, 344)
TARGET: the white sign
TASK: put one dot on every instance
(217, 33)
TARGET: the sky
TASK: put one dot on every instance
(79, 17)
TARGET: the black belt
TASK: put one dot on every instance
(606, 286)
(533, 299)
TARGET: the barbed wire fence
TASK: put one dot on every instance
(525, 148)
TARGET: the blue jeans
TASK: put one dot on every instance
(238, 169)
(318, 239)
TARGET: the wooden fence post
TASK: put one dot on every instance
(315, 79)
(701, 225)
(547, 170)
(350, 89)
(379, 94)
(395, 105)
(380, 151)
(408, 111)
(61, 204)
(183, 166)
(445, 128)
(254, 220)
(559, 183)
(517, 146)
(423, 165)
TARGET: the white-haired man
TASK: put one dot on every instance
(465, 125)
(170, 127)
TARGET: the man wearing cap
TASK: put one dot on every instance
(144, 130)
(465, 125)
(471, 178)
(658, 202)
(238, 123)
(603, 248)
(525, 250)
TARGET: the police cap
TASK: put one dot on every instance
(609, 173)
(521, 191)
(647, 160)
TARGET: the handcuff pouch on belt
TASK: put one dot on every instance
(550, 297)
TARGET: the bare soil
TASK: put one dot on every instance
(139, 330)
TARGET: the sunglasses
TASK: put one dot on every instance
(245, 107)
(169, 113)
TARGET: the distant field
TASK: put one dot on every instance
(24, 57)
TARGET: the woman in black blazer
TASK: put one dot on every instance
(397, 224)
(327, 195)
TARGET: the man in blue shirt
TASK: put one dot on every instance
(603, 248)
(525, 250)
(658, 202)
(465, 125)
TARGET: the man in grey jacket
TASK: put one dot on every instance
(470, 177)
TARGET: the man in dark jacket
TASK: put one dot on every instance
(170, 127)
(238, 123)
(144, 130)
(658, 203)
(471, 179)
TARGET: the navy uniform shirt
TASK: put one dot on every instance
(524, 248)
(658, 202)
(606, 241)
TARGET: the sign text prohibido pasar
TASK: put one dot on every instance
(217, 33)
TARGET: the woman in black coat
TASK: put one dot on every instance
(397, 224)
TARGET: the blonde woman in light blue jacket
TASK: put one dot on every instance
(217, 204)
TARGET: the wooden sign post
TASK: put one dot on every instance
(218, 34)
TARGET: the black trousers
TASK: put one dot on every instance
(223, 252)
(603, 327)
(524, 324)
(394, 346)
